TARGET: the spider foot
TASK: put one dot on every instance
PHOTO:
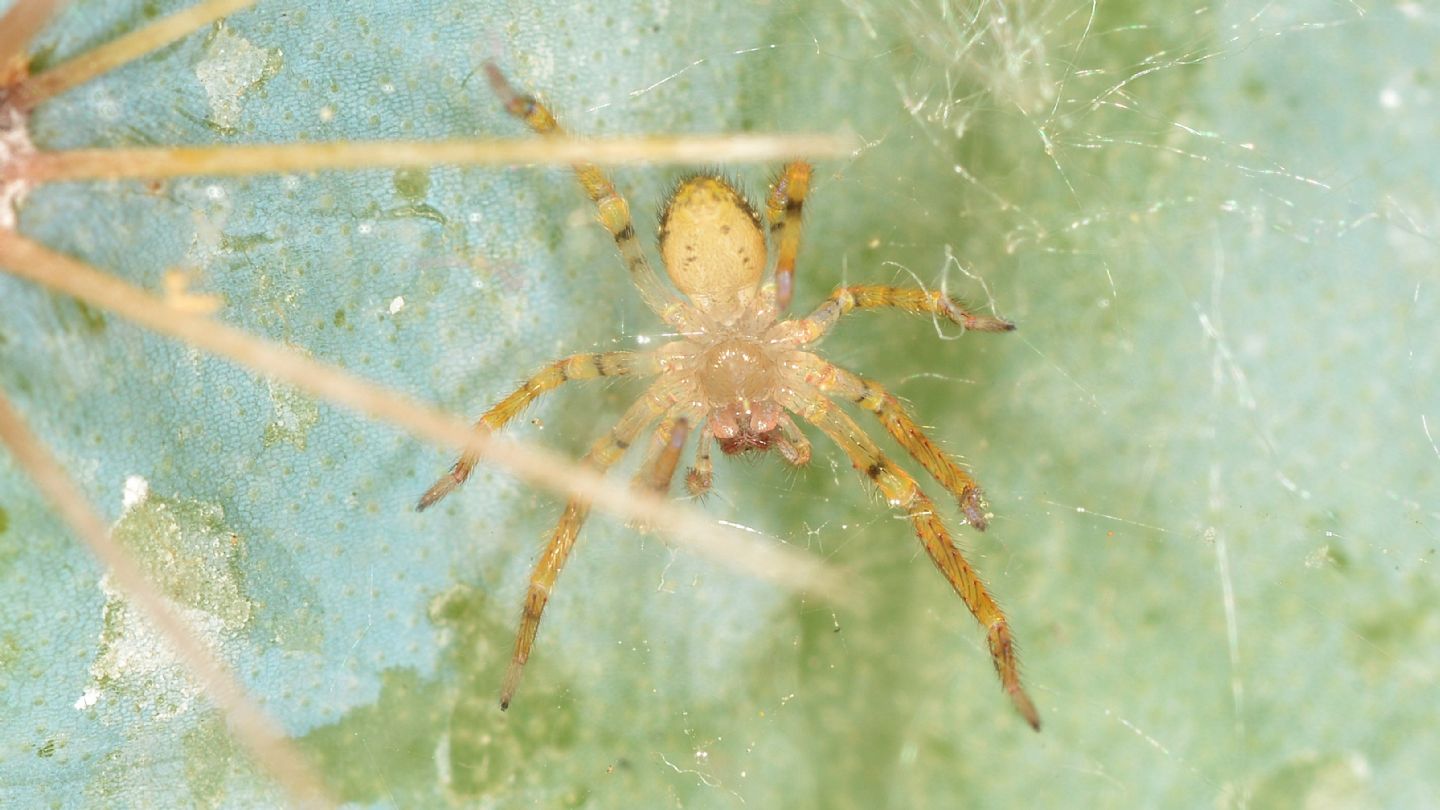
(972, 503)
(1002, 651)
(697, 483)
(444, 486)
(955, 310)
(989, 323)
(512, 681)
(796, 455)
(432, 496)
(1025, 706)
(516, 103)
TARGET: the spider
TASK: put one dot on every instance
(738, 374)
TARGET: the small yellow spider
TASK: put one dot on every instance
(737, 374)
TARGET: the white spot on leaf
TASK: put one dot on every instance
(136, 490)
(231, 67)
(89, 698)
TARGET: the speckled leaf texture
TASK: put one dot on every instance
(1210, 448)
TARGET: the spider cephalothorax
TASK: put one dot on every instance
(738, 372)
(738, 379)
(714, 252)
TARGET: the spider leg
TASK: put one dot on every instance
(793, 445)
(574, 367)
(901, 491)
(899, 423)
(909, 299)
(783, 210)
(613, 211)
(663, 457)
(603, 455)
(699, 477)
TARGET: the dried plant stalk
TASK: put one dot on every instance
(252, 727)
(113, 54)
(215, 161)
(19, 26)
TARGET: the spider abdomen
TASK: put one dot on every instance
(711, 242)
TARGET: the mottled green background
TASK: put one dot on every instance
(1211, 448)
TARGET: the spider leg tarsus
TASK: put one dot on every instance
(517, 104)
(848, 298)
(974, 506)
(696, 482)
(988, 323)
(443, 487)
(792, 445)
(958, 312)
(794, 455)
(1026, 708)
(1002, 649)
(512, 680)
(700, 477)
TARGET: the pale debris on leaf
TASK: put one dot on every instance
(231, 67)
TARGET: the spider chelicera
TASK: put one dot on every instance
(738, 373)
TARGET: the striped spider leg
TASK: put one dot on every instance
(603, 455)
(575, 367)
(902, 493)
